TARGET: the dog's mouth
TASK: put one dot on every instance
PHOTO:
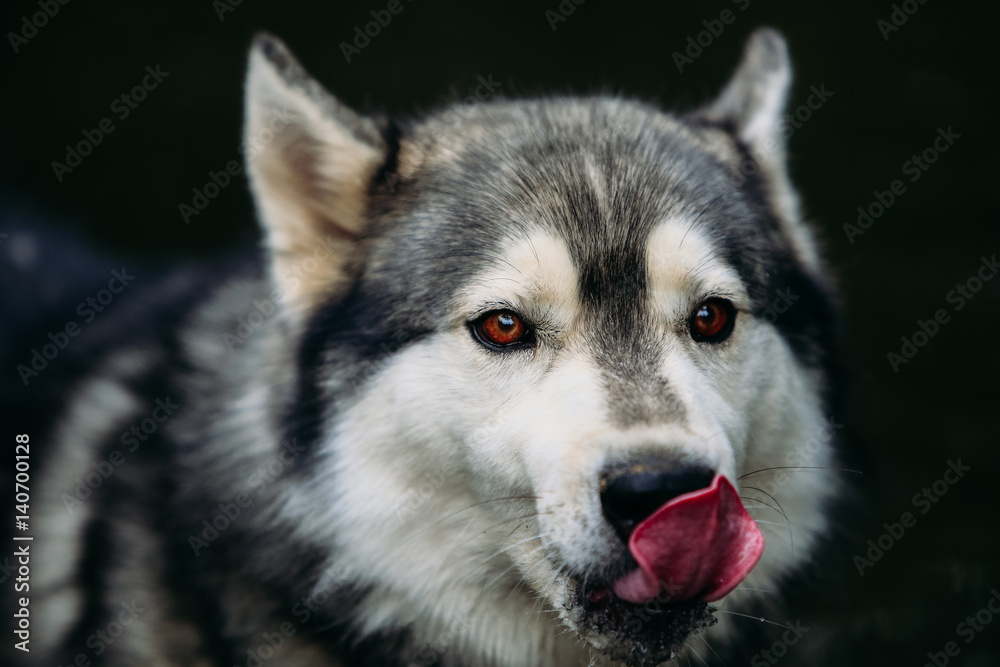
(693, 550)
(640, 635)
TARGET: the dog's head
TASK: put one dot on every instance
(547, 347)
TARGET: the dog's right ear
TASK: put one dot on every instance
(311, 162)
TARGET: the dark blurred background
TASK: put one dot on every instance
(894, 85)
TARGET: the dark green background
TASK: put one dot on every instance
(890, 97)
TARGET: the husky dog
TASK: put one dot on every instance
(509, 386)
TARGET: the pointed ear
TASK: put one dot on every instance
(753, 101)
(311, 163)
(752, 108)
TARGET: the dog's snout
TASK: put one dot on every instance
(632, 492)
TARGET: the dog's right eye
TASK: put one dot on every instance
(713, 321)
(501, 329)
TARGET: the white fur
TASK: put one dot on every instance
(102, 405)
(453, 428)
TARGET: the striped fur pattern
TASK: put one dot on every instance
(328, 468)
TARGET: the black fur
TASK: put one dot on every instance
(598, 173)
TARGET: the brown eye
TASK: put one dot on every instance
(713, 321)
(501, 328)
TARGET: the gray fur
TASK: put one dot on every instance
(425, 500)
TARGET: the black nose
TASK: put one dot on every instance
(632, 492)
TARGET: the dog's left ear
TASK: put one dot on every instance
(311, 162)
(753, 101)
(751, 107)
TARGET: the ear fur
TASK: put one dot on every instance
(752, 106)
(754, 99)
(311, 161)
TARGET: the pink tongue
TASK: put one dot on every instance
(700, 545)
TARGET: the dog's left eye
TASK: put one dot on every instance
(501, 328)
(713, 321)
